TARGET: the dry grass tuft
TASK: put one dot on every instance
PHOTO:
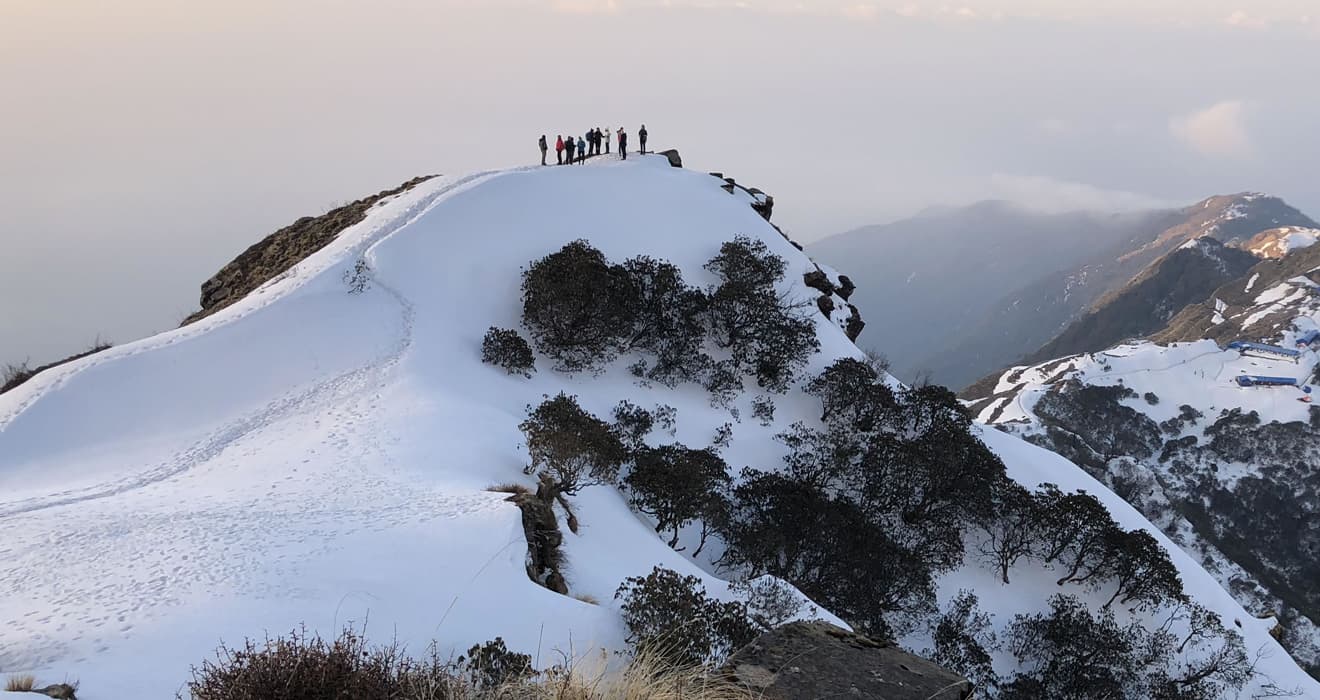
(515, 489)
(305, 666)
(20, 683)
(587, 598)
(649, 677)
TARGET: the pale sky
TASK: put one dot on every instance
(147, 142)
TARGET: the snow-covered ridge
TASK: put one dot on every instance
(310, 455)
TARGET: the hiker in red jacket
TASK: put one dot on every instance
(559, 149)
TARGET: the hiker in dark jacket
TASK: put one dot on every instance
(623, 143)
(569, 147)
(600, 139)
(641, 139)
(559, 149)
(544, 148)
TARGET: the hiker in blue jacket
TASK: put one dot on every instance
(582, 150)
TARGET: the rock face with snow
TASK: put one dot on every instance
(1230, 472)
(1278, 242)
(1261, 302)
(329, 449)
(276, 253)
(819, 660)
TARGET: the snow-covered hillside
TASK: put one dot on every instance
(1186, 433)
(308, 455)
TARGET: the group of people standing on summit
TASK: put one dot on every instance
(578, 149)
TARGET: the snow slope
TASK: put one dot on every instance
(312, 456)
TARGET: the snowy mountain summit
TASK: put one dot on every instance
(330, 449)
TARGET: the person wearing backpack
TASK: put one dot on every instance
(544, 148)
(559, 149)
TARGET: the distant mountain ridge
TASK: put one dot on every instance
(942, 278)
(982, 287)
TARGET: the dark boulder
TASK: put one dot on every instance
(819, 281)
(765, 207)
(846, 287)
(826, 305)
(674, 159)
(819, 660)
(855, 323)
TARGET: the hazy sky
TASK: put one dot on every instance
(146, 142)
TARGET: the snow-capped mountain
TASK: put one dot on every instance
(322, 450)
(1208, 429)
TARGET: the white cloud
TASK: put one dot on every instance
(1218, 131)
(861, 11)
(585, 7)
(1048, 194)
(1240, 18)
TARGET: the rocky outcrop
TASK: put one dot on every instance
(674, 159)
(283, 249)
(819, 660)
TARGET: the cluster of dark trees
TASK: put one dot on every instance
(1072, 653)
(893, 485)
(583, 311)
